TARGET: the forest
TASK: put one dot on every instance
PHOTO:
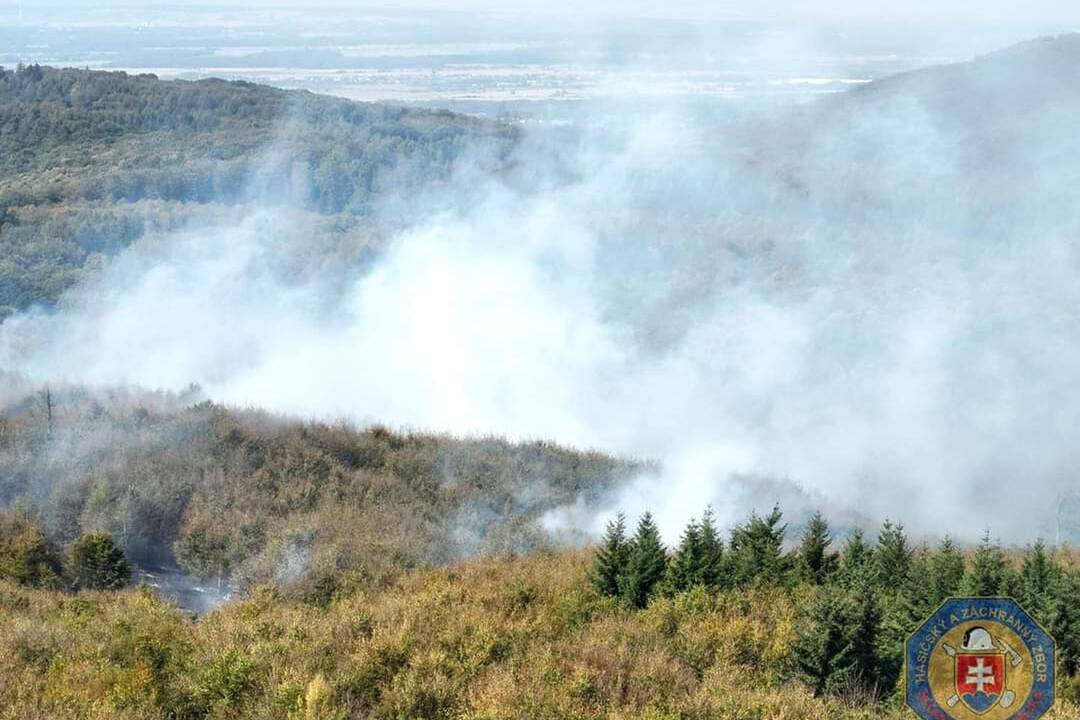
(90, 161)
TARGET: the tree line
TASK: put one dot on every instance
(866, 598)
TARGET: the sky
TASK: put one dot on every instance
(1049, 13)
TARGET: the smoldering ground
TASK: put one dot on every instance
(871, 300)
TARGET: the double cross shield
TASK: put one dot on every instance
(981, 664)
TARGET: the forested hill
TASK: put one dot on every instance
(67, 133)
(90, 161)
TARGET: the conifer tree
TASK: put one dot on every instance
(824, 645)
(989, 571)
(610, 561)
(1036, 585)
(901, 610)
(836, 642)
(856, 560)
(816, 560)
(712, 552)
(756, 550)
(892, 557)
(945, 571)
(645, 566)
(686, 568)
(865, 637)
(1064, 625)
(699, 559)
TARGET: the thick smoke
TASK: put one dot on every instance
(868, 306)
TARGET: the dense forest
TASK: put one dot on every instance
(90, 161)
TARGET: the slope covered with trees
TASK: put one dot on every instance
(91, 160)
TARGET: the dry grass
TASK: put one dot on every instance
(494, 638)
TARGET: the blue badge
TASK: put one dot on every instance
(980, 658)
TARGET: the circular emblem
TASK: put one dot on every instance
(980, 659)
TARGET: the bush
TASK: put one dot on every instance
(97, 564)
(27, 557)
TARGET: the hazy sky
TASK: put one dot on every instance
(1050, 13)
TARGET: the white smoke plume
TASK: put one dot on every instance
(804, 315)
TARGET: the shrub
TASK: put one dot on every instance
(27, 557)
(98, 564)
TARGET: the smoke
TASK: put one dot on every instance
(868, 306)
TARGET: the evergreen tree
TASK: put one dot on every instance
(1064, 625)
(945, 572)
(712, 552)
(824, 642)
(699, 559)
(864, 642)
(899, 612)
(610, 561)
(686, 568)
(645, 566)
(835, 642)
(989, 571)
(97, 564)
(892, 557)
(814, 556)
(856, 559)
(1036, 584)
(756, 550)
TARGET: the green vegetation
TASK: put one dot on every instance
(857, 609)
(97, 564)
(90, 161)
(27, 557)
(355, 601)
(502, 637)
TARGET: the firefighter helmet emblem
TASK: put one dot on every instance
(980, 658)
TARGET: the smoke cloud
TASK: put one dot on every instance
(868, 305)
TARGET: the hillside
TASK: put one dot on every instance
(499, 639)
(90, 161)
(253, 498)
(816, 259)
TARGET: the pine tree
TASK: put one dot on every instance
(645, 566)
(865, 638)
(610, 561)
(699, 559)
(756, 550)
(892, 557)
(836, 641)
(816, 560)
(1035, 586)
(856, 559)
(989, 572)
(901, 610)
(712, 552)
(824, 644)
(945, 572)
(1065, 623)
(686, 567)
